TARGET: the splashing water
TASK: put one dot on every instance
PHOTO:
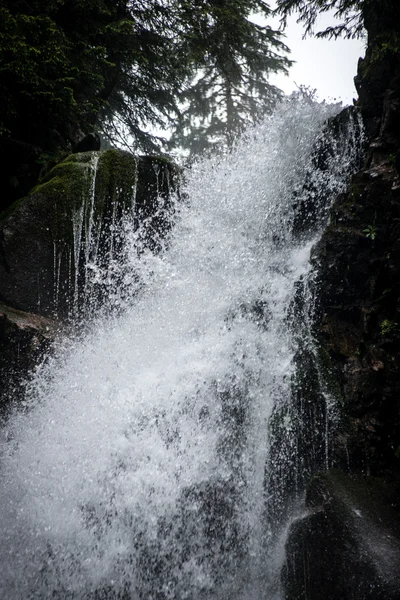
(137, 470)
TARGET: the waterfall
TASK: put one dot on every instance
(138, 466)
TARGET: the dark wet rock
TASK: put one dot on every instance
(358, 321)
(311, 198)
(347, 545)
(358, 264)
(25, 339)
(71, 220)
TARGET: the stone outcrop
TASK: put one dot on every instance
(70, 223)
(347, 545)
(25, 339)
(59, 247)
(358, 260)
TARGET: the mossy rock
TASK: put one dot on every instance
(48, 238)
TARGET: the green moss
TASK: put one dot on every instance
(71, 159)
(63, 190)
(116, 179)
(74, 214)
(67, 186)
(389, 327)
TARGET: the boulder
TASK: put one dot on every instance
(54, 243)
(347, 544)
(25, 339)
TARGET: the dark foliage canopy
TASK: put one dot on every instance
(69, 67)
(349, 12)
(65, 64)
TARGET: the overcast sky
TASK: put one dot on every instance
(326, 65)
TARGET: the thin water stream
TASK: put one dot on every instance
(137, 467)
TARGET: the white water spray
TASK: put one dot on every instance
(137, 469)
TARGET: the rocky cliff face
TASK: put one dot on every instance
(358, 331)
(358, 260)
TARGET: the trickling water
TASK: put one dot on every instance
(137, 468)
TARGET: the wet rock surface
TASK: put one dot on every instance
(47, 239)
(358, 264)
(25, 339)
(347, 545)
(71, 219)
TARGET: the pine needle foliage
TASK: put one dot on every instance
(229, 89)
(68, 67)
(348, 12)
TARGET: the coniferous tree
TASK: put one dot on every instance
(230, 88)
(68, 67)
(349, 12)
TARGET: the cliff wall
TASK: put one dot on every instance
(347, 544)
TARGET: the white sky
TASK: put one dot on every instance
(329, 66)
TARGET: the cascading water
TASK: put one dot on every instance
(137, 467)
